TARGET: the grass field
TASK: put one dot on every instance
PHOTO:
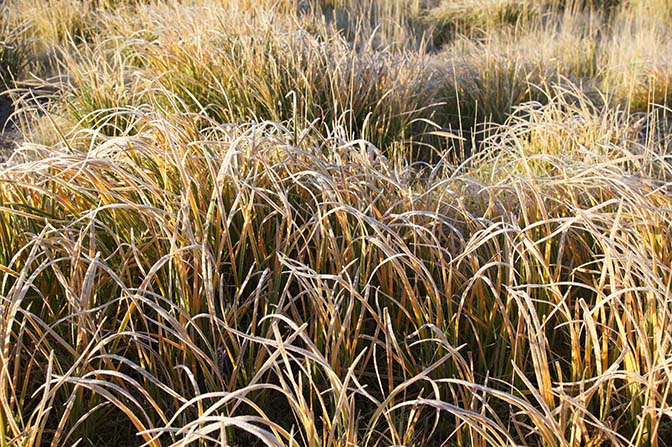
(336, 223)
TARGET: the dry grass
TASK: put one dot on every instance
(286, 225)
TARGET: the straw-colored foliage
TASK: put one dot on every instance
(336, 223)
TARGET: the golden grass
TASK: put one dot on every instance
(280, 224)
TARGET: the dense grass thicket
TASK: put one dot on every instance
(337, 223)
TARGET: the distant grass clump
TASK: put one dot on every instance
(639, 72)
(12, 50)
(450, 19)
(262, 70)
(336, 223)
(237, 63)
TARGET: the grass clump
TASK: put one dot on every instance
(100, 82)
(261, 69)
(305, 224)
(478, 19)
(318, 293)
(13, 49)
(638, 73)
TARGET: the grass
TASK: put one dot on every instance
(336, 224)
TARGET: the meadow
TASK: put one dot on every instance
(336, 223)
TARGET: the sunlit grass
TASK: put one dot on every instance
(334, 295)
(309, 224)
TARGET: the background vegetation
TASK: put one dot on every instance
(337, 223)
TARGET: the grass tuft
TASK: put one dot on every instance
(308, 224)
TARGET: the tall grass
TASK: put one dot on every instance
(226, 284)
(12, 49)
(319, 224)
(639, 72)
(290, 62)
